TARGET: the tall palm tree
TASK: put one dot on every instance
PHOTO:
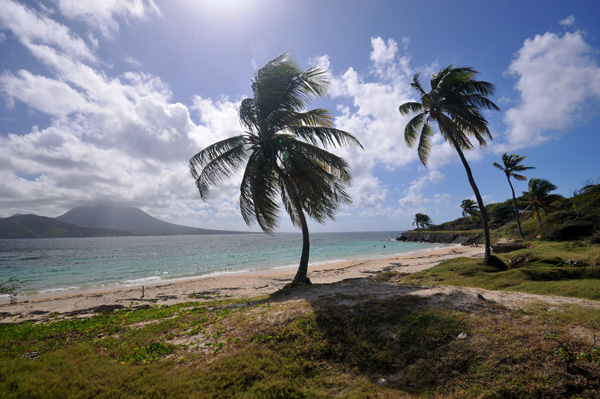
(280, 150)
(422, 221)
(454, 104)
(511, 164)
(470, 209)
(538, 198)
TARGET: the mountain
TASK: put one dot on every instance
(96, 221)
(34, 226)
(132, 220)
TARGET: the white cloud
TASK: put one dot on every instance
(405, 42)
(367, 192)
(35, 30)
(570, 20)
(414, 198)
(102, 15)
(133, 62)
(44, 94)
(557, 78)
(111, 138)
(382, 53)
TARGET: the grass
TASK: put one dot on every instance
(565, 269)
(278, 348)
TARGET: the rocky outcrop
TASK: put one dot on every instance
(438, 237)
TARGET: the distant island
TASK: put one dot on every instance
(102, 220)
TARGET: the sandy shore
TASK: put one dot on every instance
(81, 304)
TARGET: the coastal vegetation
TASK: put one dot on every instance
(538, 198)
(422, 221)
(546, 268)
(511, 164)
(470, 209)
(455, 104)
(565, 219)
(281, 153)
(291, 345)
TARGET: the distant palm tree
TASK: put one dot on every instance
(538, 198)
(454, 103)
(422, 221)
(512, 165)
(470, 209)
(279, 148)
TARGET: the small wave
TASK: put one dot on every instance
(284, 267)
(140, 281)
(225, 273)
(61, 289)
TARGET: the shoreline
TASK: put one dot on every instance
(154, 281)
(247, 284)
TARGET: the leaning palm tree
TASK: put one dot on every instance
(512, 165)
(538, 198)
(470, 209)
(454, 104)
(422, 221)
(281, 153)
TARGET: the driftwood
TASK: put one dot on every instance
(518, 261)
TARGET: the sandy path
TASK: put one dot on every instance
(339, 277)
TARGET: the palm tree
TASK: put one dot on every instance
(538, 198)
(454, 103)
(470, 209)
(281, 153)
(422, 221)
(512, 165)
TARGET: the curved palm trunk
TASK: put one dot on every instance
(516, 209)
(302, 273)
(484, 217)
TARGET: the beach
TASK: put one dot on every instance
(243, 285)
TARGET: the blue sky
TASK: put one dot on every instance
(107, 100)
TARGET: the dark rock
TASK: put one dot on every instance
(438, 237)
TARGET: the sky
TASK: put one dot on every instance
(107, 100)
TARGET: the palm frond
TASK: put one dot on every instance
(282, 118)
(497, 165)
(416, 84)
(258, 194)
(410, 107)
(424, 147)
(220, 160)
(329, 137)
(410, 131)
(248, 115)
(448, 129)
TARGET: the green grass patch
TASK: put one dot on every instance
(400, 347)
(549, 276)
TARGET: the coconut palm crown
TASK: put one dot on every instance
(421, 221)
(470, 209)
(455, 104)
(279, 147)
(538, 198)
(511, 164)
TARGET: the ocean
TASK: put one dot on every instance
(55, 265)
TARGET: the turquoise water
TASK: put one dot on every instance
(65, 264)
